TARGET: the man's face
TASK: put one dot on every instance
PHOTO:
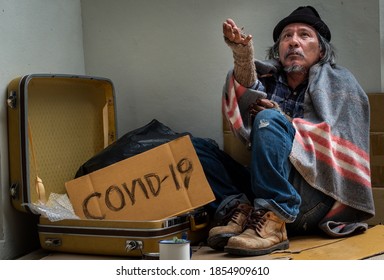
(299, 46)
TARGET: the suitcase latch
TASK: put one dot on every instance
(133, 245)
(11, 100)
(52, 242)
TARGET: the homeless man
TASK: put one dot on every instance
(306, 123)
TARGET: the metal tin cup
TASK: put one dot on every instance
(178, 249)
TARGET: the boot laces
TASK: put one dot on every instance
(234, 214)
(256, 220)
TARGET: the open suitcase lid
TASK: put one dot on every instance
(55, 123)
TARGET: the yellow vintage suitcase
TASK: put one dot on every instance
(56, 122)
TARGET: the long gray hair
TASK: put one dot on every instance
(325, 46)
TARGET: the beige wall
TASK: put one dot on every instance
(37, 36)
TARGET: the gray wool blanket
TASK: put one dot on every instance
(331, 145)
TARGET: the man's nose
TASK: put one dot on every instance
(294, 40)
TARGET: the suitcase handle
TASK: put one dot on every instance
(196, 227)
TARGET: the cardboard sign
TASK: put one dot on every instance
(165, 181)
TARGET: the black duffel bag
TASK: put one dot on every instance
(132, 143)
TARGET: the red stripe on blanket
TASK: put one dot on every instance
(234, 117)
(343, 172)
(239, 89)
(230, 105)
(340, 141)
(336, 209)
(238, 123)
(338, 155)
(331, 156)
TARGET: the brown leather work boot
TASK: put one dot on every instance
(234, 224)
(264, 233)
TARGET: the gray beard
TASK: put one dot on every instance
(295, 69)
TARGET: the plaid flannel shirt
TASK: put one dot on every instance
(277, 89)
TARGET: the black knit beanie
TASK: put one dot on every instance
(304, 14)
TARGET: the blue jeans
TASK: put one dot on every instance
(271, 138)
(269, 181)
